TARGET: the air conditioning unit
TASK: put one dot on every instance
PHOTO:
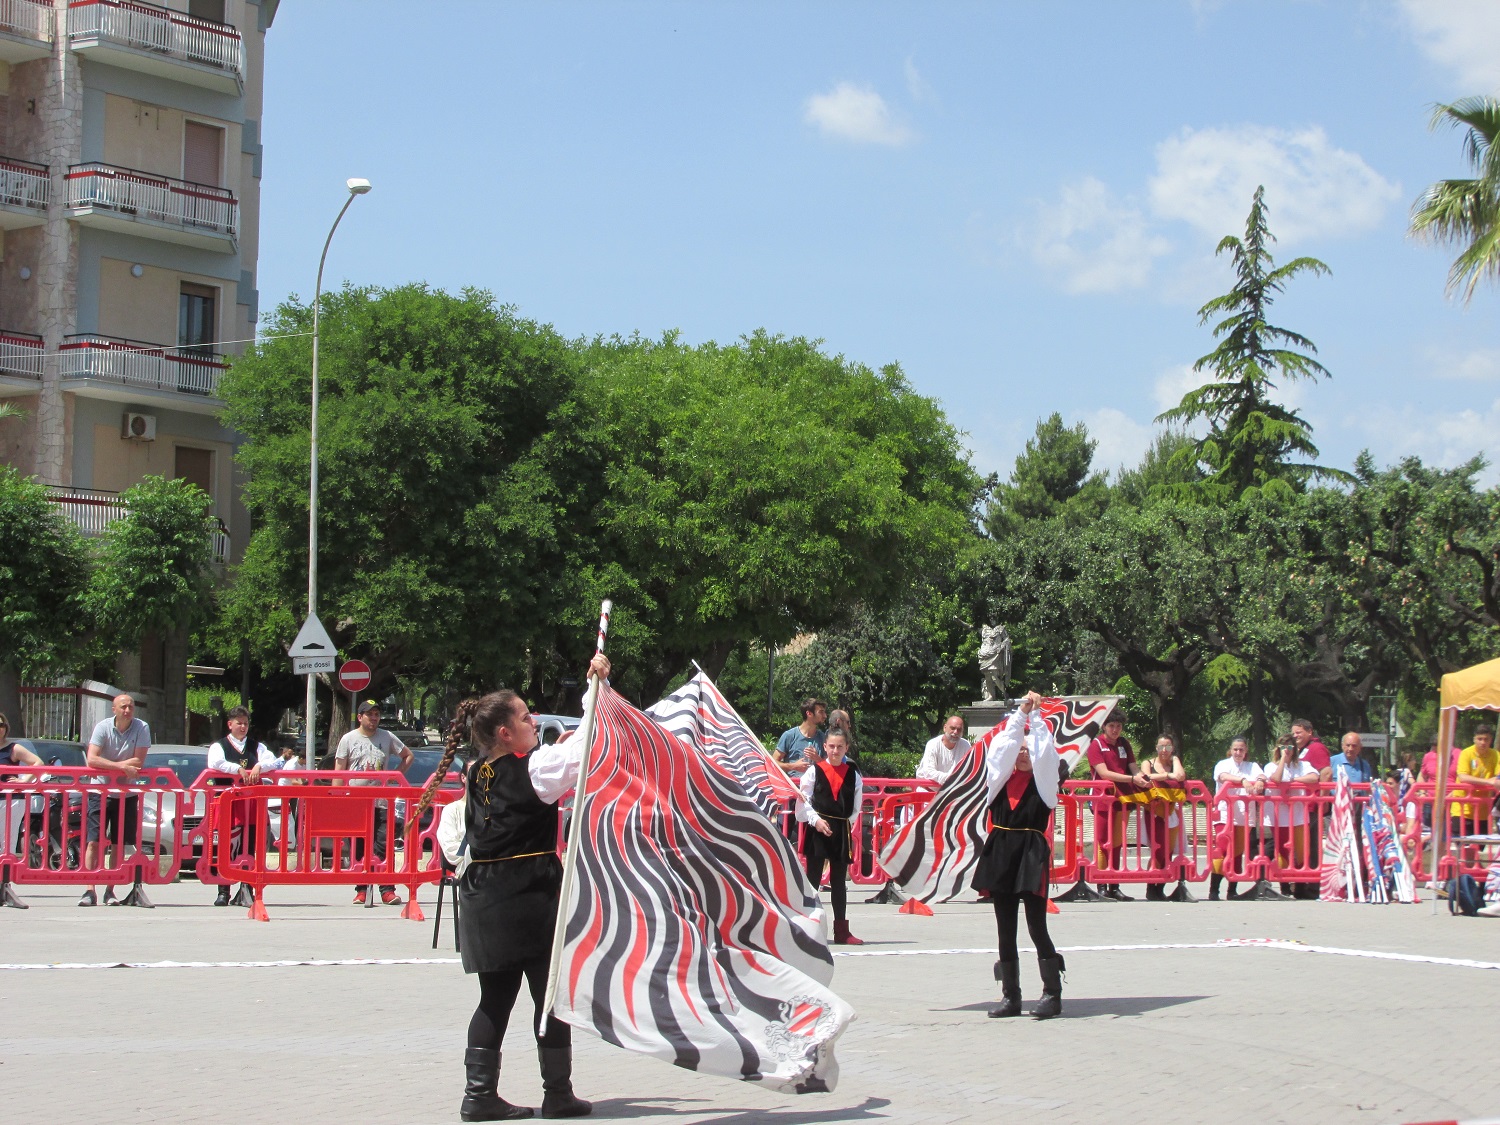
(139, 427)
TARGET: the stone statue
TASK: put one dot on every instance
(994, 661)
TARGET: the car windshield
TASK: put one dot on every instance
(423, 764)
(186, 766)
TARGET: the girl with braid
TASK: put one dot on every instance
(508, 895)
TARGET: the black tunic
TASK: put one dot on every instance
(508, 894)
(837, 811)
(1017, 855)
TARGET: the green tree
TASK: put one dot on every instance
(1052, 479)
(1166, 468)
(43, 571)
(1250, 436)
(1466, 212)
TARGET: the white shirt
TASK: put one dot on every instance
(1003, 750)
(1247, 771)
(1282, 814)
(554, 769)
(805, 812)
(938, 761)
(266, 760)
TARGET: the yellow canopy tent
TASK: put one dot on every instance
(1472, 689)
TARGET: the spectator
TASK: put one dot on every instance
(1309, 745)
(1164, 823)
(12, 753)
(792, 747)
(1352, 763)
(1290, 779)
(1430, 769)
(1477, 770)
(118, 746)
(1236, 775)
(17, 815)
(367, 747)
(237, 756)
(1112, 760)
(942, 754)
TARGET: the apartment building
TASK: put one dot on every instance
(130, 163)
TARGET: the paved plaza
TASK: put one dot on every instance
(1221, 1033)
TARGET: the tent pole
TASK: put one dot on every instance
(1447, 727)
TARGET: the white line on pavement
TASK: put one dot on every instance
(1224, 943)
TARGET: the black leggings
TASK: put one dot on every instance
(497, 996)
(1036, 925)
(838, 891)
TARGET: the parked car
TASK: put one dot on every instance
(56, 752)
(551, 728)
(53, 752)
(424, 763)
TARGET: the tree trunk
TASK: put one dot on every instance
(10, 701)
(172, 725)
(1259, 739)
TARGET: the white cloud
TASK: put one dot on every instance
(1122, 440)
(1092, 242)
(1461, 35)
(856, 113)
(1444, 438)
(1481, 364)
(917, 86)
(1206, 177)
(1175, 382)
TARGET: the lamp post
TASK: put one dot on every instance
(356, 187)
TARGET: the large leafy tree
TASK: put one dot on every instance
(1251, 438)
(43, 572)
(1466, 212)
(1053, 478)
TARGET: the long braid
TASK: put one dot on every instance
(458, 729)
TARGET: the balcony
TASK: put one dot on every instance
(23, 192)
(134, 372)
(93, 510)
(154, 40)
(25, 30)
(151, 206)
(20, 364)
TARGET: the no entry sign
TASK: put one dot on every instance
(354, 675)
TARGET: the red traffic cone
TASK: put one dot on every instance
(412, 910)
(258, 907)
(915, 906)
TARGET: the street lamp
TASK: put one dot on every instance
(356, 187)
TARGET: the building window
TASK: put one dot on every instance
(196, 466)
(202, 154)
(207, 9)
(197, 323)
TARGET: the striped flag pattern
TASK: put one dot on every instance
(698, 713)
(1339, 879)
(932, 855)
(691, 933)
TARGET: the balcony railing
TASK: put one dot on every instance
(200, 208)
(92, 510)
(28, 19)
(21, 354)
(22, 183)
(146, 27)
(136, 364)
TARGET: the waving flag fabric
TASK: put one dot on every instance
(932, 855)
(698, 713)
(691, 933)
(1340, 878)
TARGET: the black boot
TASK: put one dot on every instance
(557, 1084)
(481, 1102)
(1156, 892)
(1051, 1002)
(222, 898)
(1008, 973)
(1213, 886)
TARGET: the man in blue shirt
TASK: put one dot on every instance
(1360, 771)
(792, 747)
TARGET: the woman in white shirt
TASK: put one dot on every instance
(1288, 777)
(1235, 776)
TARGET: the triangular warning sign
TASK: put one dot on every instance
(312, 640)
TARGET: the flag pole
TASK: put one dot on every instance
(570, 856)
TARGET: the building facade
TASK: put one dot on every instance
(130, 164)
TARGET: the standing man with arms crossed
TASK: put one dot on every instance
(793, 746)
(118, 746)
(943, 753)
(367, 747)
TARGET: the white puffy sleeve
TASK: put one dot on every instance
(266, 759)
(805, 814)
(1044, 761)
(1000, 756)
(554, 769)
(859, 800)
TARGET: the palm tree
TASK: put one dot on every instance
(1467, 212)
(7, 410)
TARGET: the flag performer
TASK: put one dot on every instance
(832, 792)
(509, 893)
(1021, 780)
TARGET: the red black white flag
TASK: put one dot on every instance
(932, 855)
(691, 933)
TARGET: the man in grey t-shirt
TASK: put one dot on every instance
(118, 748)
(367, 747)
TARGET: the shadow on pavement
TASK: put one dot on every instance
(1083, 1007)
(654, 1107)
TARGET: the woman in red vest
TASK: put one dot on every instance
(832, 791)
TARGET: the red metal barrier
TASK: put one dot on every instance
(1132, 843)
(45, 818)
(865, 870)
(337, 838)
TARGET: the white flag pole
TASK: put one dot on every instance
(570, 856)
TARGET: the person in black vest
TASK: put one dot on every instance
(508, 894)
(1021, 778)
(832, 790)
(245, 760)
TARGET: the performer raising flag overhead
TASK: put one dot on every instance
(698, 713)
(690, 932)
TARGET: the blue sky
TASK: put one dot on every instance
(1016, 202)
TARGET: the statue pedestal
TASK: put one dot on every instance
(980, 716)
